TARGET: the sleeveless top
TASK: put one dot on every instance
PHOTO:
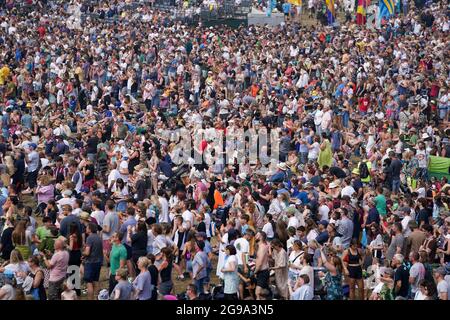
(166, 273)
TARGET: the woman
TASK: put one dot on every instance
(385, 288)
(37, 289)
(188, 252)
(333, 277)
(120, 194)
(143, 287)
(325, 154)
(45, 192)
(230, 275)
(123, 289)
(153, 165)
(311, 230)
(295, 259)
(165, 272)
(376, 245)
(138, 242)
(75, 244)
(22, 240)
(16, 266)
(353, 260)
(154, 275)
(279, 255)
(427, 290)
(269, 226)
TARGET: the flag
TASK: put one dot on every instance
(361, 12)
(295, 2)
(330, 11)
(386, 9)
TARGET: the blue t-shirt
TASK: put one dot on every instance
(286, 7)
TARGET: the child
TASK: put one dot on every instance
(69, 293)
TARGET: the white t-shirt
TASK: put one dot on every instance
(123, 165)
(406, 230)
(308, 270)
(113, 176)
(443, 287)
(295, 259)
(314, 151)
(293, 222)
(242, 247)
(98, 215)
(188, 217)
(323, 212)
(268, 229)
(347, 191)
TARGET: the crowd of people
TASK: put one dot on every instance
(100, 200)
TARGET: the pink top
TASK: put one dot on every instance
(60, 262)
(45, 193)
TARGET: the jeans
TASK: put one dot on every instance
(395, 185)
(199, 284)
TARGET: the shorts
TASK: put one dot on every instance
(262, 279)
(129, 251)
(355, 272)
(92, 272)
(107, 246)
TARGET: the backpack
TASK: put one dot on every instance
(363, 170)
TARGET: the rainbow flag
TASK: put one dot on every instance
(386, 9)
(331, 15)
(361, 12)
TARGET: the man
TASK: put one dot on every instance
(43, 231)
(423, 160)
(416, 273)
(199, 265)
(117, 259)
(242, 246)
(110, 226)
(64, 227)
(380, 202)
(93, 254)
(430, 243)
(302, 291)
(397, 243)
(401, 276)
(415, 239)
(323, 233)
(443, 288)
(345, 228)
(395, 169)
(130, 222)
(201, 236)
(58, 269)
(32, 161)
(164, 215)
(262, 265)
(75, 176)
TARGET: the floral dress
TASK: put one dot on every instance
(334, 286)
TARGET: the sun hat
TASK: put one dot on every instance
(282, 166)
(333, 185)
(85, 216)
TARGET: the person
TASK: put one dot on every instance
(123, 290)
(57, 265)
(262, 264)
(416, 273)
(231, 279)
(165, 285)
(21, 238)
(279, 255)
(191, 292)
(110, 226)
(117, 259)
(426, 290)
(401, 277)
(199, 266)
(353, 260)
(302, 290)
(68, 292)
(295, 259)
(443, 287)
(37, 290)
(92, 260)
(397, 243)
(142, 284)
(333, 277)
(153, 276)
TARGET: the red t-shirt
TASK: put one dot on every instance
(363, 104)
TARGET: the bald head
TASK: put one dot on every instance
(59, 244)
